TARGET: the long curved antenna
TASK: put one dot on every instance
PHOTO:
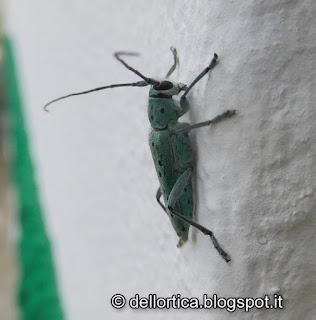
(135, 84)
(146, 82)
(122, 53)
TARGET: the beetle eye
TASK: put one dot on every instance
(163, 85)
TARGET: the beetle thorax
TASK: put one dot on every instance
(161, 112)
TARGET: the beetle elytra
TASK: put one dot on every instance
(170, 144)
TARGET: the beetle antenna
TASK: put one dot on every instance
(120, 53)
(175, 61)
(135, 84)
(146, 82)
(201, 75)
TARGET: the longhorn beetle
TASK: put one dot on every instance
(170, 144)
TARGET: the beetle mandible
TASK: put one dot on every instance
(170, 144)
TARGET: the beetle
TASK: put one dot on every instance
(170, 144)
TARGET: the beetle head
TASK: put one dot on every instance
(166, 88)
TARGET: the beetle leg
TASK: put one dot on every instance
(205, 231)
(158, 196)
(185, 104)
(226, 114)
(174, 196)
(178, 188)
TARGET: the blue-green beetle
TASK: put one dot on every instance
(170, 144)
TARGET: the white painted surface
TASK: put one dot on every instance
(254, 184)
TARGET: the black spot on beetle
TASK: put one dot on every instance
(162, 110)
(159, 174)
(152, 144)
(189, 201)
(160, 163)
(152, 117)
(183, 229)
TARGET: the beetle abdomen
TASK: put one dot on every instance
(172, 156)
(162, 153)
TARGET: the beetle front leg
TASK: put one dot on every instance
(174, 196)
(185, 104)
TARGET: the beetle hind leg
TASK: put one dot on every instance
(183, 237)
(206, 231)
(176, 192)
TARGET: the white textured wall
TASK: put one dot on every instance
(254, 184)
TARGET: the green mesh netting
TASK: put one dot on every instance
(38, 293)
